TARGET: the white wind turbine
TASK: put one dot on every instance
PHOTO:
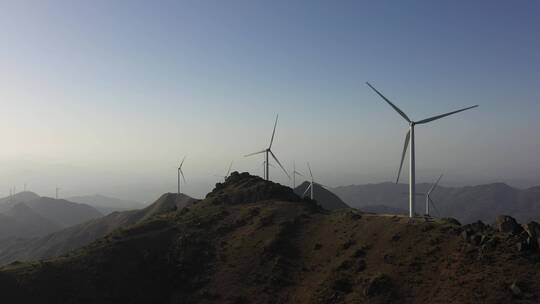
(294, 174)
(181, 173)
(428, 195)
(410, 138)
(228, 172)
(268, 151)
(312, 183)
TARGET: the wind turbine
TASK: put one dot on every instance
(428, 195)
(311, 184)
(294, 174)
(181, 173)
(409, 137)
(228, 172)
(57, 191)
(268, 151)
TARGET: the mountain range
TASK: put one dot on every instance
(74, 237)
(27, 214)
(106, 204)
(466, 204)
(254, 241)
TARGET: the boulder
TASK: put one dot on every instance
(516, 290)
(532, 229)
(507, 224)
(379, 285)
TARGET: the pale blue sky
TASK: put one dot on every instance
(107, 96)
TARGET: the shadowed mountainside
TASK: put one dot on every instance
(253, 241)
(467, 204)
(324, 197)
(74, 237)
(26, 214)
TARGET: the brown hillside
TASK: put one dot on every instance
(252, 241)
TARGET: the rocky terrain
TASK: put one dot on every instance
(253, 241)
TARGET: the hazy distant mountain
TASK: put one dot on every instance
(80, 235)
(324, 197)
(21, 221)
(20, 197)
(106, 204)
(467, 204)
(26, 214)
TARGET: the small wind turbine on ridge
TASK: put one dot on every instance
(268, 152)
(181, 173)
(428, 196)
(294, 174)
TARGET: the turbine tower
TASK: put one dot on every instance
(294, 174)
(181, 173)
(428, 195)
(263, 165)
(409, 137)
(268, 152)
(57, 191)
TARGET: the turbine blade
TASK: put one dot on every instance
(310, 173)
(229, 171)
(298, 173)
(405, 146)
(183, 159)
(434, 206)
(390, 103)
(423, 121)
(183, 177)
(307, 189)
(273, 132)
(255, 153)
(434, 186)
(277, 161)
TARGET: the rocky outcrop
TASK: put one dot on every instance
(507, 224)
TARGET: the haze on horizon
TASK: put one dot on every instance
(107, 97)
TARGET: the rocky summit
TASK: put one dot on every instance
(254, 241)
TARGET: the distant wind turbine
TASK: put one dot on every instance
(294, 174)
(228, 172)
(311, 185)
(410, 138)
(428, 195)
(263, 165)
(268, 151)
(181, 173)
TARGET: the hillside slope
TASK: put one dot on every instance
(253, 241)
(324, 197)
(74, 237)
